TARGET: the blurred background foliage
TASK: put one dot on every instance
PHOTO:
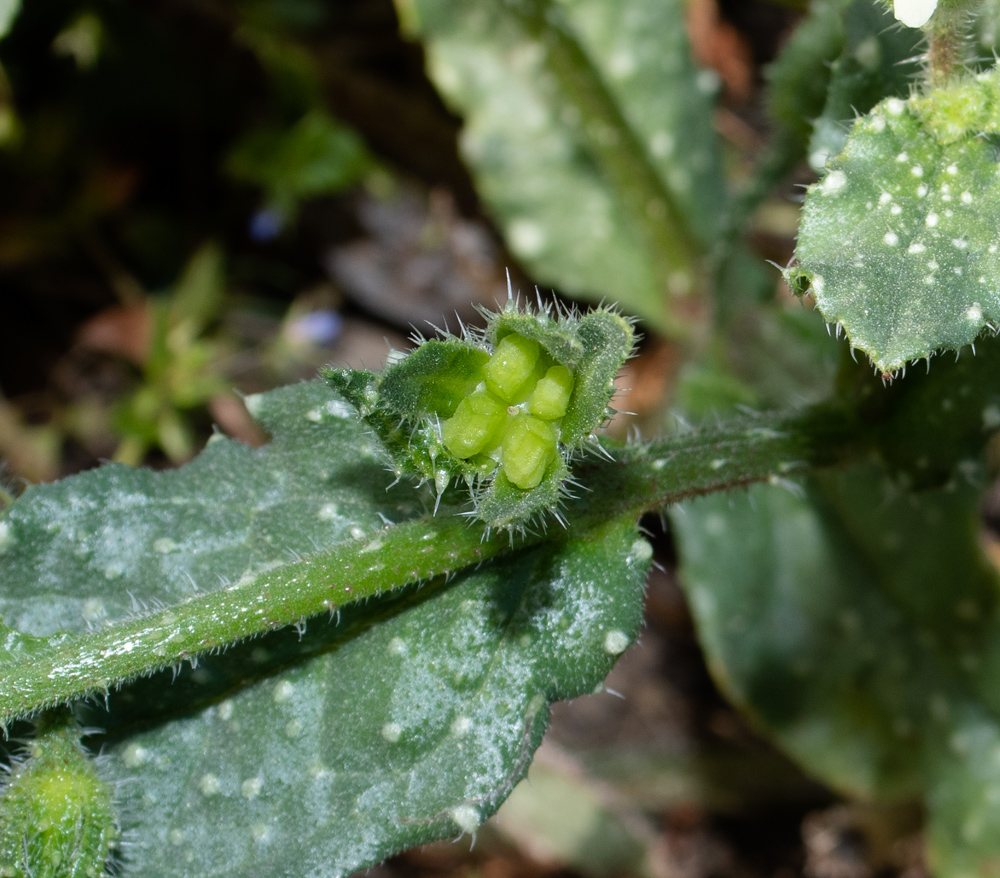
(204, 198)
(182, 186)
(199, 198)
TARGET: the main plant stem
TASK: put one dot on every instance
(38, 673)
(946, 40)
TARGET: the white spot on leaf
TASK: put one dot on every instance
(283, 692)
(462, 725)
(209, 784)
(93, 608)
(641, 550)
(527, 238)
(615, 642)
(328, 512)
(466, 817)
(834, 182)
(251, 788)
(134, 756)
(661, 144)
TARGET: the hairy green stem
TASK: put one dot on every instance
(946, 42)
(38, 673)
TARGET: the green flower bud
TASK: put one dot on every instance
(510, 370)
(550, 397)
(503, 411)
(529, 446)
(56, 816)
(476, 426)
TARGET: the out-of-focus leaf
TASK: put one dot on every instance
(800, 76)
(33, 452)
(860, 624)
(879, 60)
(588, 131)
(8, 12)
(81, 40)
(562, 816)
(197, 296)
(769, 357)
(317, 156)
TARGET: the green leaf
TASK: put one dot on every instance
(897, 241)
(860, 624)
(766, 357)
(399, 733)
(588, 131)
(79, 554)
(879, 60)
(316, 156)
(800, 76)
(935, 421)
(198, 294)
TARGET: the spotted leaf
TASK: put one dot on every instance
(320, 748)
(899, 242)
(393, 734)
